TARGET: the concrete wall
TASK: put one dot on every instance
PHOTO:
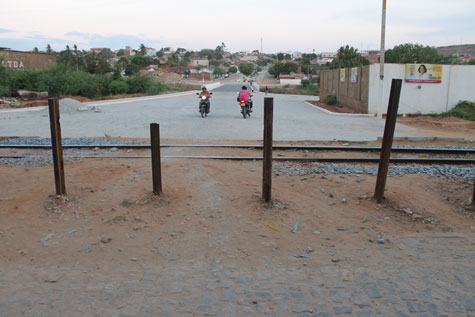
(351, 95)
(457, 84)
(23, 60)
(291, 82)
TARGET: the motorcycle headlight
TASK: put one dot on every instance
(203, 97)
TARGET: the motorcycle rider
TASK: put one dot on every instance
(205, 92)
(244, 94)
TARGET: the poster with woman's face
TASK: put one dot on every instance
(423, 73)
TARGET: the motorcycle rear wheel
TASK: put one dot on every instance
(203, 111)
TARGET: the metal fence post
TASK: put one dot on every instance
(155, 148)
(386, 146)
(267, 159)
(56, 145)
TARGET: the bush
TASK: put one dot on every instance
(138, 84)
(330, 100)
(118, 87)
(464, 109)
(4, 91)
(305, 83)
(156, 88)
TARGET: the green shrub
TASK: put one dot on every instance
(330, 100)
(464, 109)
(138, 83)
(305, 83)
(156, 88)
(118, 87)
(4, 91)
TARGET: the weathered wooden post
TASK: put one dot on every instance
(56, 145)
(156, 165)
(388, 139)
(267, 159)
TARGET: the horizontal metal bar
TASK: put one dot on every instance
(251, 158)
(251, 146)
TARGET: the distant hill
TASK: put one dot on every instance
(467, 49)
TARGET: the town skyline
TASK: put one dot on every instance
(302, 26)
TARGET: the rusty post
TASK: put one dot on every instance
(56, 145)
(156, 165)
(386, 146)
(267, 159)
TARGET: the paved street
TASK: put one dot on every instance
(420, 276)
(178, 116)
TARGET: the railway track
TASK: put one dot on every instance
(444, 155)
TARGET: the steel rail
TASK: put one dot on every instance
(448, 161)
(244, 146)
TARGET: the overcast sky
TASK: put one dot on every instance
(292, 25)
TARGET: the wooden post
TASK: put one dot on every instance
(267, 159)
(473, 195)
(56, 145)
(386, 146)
(156, 168)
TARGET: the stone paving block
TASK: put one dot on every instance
(297, 308)
(300, 297)
(468, 301)
(323, 314)
(451, 307)
(282, 308)
(260, 296)
(227, 310)
(407, 295)
(366, 313)
(342, 310)
(208, 299)
(227, 295)
(205, 310)
(227, 284)
(245, 311)
(339, 296)
(416, 307)
(244, 279)
(372, 290)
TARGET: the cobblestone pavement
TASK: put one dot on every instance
(420, 276)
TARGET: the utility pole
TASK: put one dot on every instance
(381, 59)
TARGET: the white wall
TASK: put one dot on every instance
(292, 82)
(457, 84)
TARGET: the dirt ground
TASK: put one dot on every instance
(110, 216)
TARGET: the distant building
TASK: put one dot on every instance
(371, 56)
(326, 57)
(150, 51)
(96, 50)
(203, 61)
(291, 79)
(18, 60)
(129, 51)
(202, 74)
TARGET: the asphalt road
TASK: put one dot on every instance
(178, 116)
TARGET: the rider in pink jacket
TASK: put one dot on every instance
(244, 94)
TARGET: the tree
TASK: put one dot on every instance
(121, 52)
(232, 69)
(49, 50)
(289, 68)
(471, 61)
(35, 50)
(246, 68)
(287, 57)
(218, 71)
(414, 53)
(276, 69)
(348, 57)
(173, 60)
(280, 56)
(143, 50)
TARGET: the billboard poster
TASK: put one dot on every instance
(342, 75)
(354, 74)
(423, 73)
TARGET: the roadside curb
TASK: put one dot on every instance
(364, 115)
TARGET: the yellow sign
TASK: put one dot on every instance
(342, 75)
(423, 73)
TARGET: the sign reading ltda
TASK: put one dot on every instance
(13, 64)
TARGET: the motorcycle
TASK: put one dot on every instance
(245, 107)
(204, 105)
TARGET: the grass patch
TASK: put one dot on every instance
(311, 90)
(117, 219)
(464, 110)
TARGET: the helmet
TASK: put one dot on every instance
(203, 87)
(244, 87)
